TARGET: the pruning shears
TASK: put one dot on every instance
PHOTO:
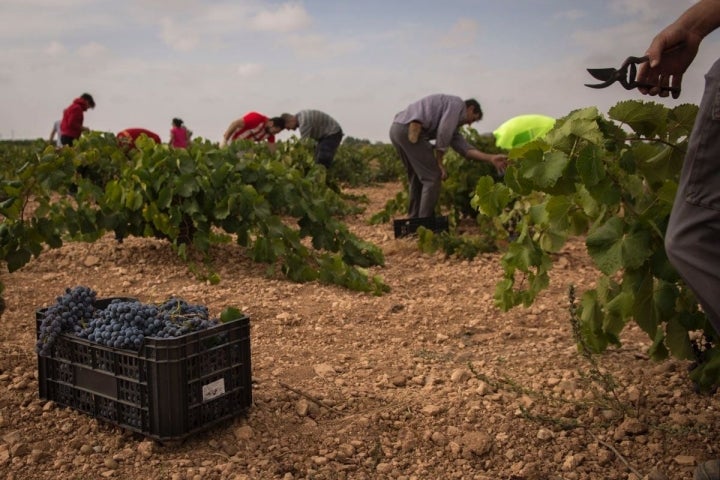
(625, 75)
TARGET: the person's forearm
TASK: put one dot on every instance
(702, 18)
(233, 126)
(497, 160)
(476, 154)
(439, 155)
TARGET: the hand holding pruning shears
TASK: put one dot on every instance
(660, 70)
(670, 54)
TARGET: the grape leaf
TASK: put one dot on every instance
(681, 120)
(655, 161)
(490, 198)
(590, 165)
(645, 118)
(677, 340)
(613, 249)
(546, 171)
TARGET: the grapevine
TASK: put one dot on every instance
(268, 203)
(612, 181)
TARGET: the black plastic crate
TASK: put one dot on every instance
(169, 390)
(408, 226)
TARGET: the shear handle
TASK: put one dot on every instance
(628, 71)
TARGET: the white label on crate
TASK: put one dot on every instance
(213, 389)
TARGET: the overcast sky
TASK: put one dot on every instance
(361, 61)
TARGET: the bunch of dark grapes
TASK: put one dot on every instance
(177, 317)
(122, 324)
(125, 324)
(69, 313)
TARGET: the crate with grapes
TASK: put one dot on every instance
(164, 370)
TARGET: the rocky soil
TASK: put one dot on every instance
(428, 381)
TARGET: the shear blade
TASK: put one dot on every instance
(603, 74)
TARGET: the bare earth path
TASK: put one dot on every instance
(428, 381)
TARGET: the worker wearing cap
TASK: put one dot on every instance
(71, 126)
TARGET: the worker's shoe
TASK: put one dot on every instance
(414, 131)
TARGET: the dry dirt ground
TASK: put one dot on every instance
(428, 381)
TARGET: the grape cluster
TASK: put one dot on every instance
(123, 323)
(126, 323)
(69, 313)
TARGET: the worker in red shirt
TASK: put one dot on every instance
(71, 125)
(179, 134)
(129, 136)
(254, 126)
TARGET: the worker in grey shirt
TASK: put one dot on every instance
(435, 117)
(322, 128)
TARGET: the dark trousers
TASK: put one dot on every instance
(424, 176)
(691, 239)
(67, 140)
(326, 149)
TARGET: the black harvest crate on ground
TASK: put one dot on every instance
(408, 226)
(168, 390)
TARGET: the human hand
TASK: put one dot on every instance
(443, 173)
(439, 155)
(670, 54)
(500, 163)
